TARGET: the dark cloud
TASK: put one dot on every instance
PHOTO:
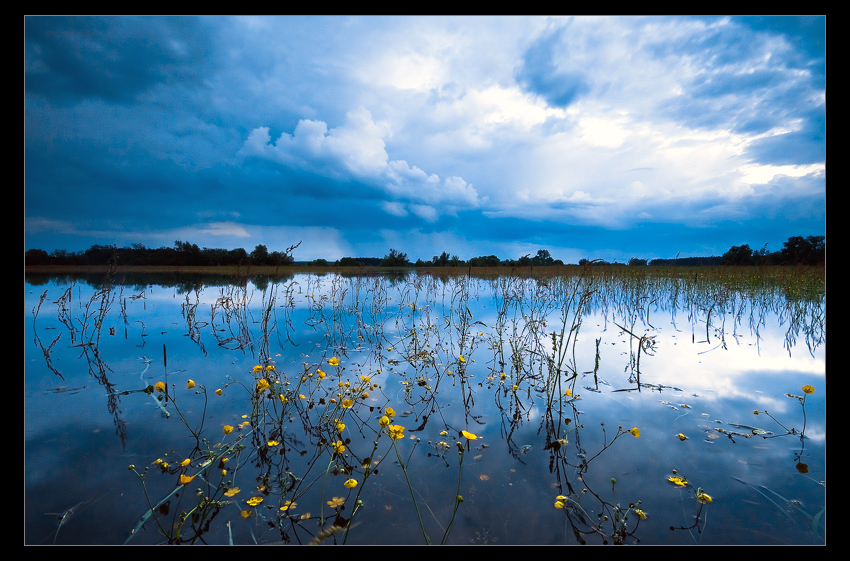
(541, 73)
(146, 130)
(804, 147)
(116, 59)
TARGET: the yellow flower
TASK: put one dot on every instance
(231, 492)
(160, 387)
(254, 501)
(468, 435)
(321, 374)
(350, 483)
(559, 504)
(258, 368)
(340, 427)
(681, 436)
(390, 412)
(218, 391)
(288, 505)
(680, 481)
(273, 442)
(347, 403)
(245, 513)
(333, 361)
(365, 378)
(635, 432)
(262, 385)
(808, 389)
(395, 431)
(703, 497)
(185, 479)
(641, 514)
(282, 398)
(185, 462)
(302, 396)
(336, 502)
(461, 359)
(228, 429)
(568, 393)
(365, 395)
(191, 384)
(338, 446)
(384, 421)
(269, 368)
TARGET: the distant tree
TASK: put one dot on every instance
(542, 258)
(99, 254)
(260, 255)
(237, 256)
(804, 251)
(394, 259)
(738, 255)
(319, 262)
(187, 253)
(348, 262)
(635, 262)
(36, 257)
(442, 260)
(484, 261)
(280, 258)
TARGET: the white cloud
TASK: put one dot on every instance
(356, 150)
(394, 208)
(223, 229)
(427, 213)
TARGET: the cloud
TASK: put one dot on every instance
(505, 132)
(223, 229)
(543, 73)
(71, 58)
(356, 151)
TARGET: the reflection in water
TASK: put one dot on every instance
(451, 409)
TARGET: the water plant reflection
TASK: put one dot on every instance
(420, 361)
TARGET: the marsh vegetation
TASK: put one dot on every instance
(596, 405)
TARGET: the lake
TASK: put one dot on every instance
(612, 406)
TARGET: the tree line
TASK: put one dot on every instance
(796, 250)
(182, 254)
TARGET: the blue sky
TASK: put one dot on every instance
(608, 137)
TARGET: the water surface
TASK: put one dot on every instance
(669, 357)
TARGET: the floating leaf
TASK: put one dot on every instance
(753, 429)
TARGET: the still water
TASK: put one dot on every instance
(534, 411)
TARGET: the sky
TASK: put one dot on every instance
(589, 137)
